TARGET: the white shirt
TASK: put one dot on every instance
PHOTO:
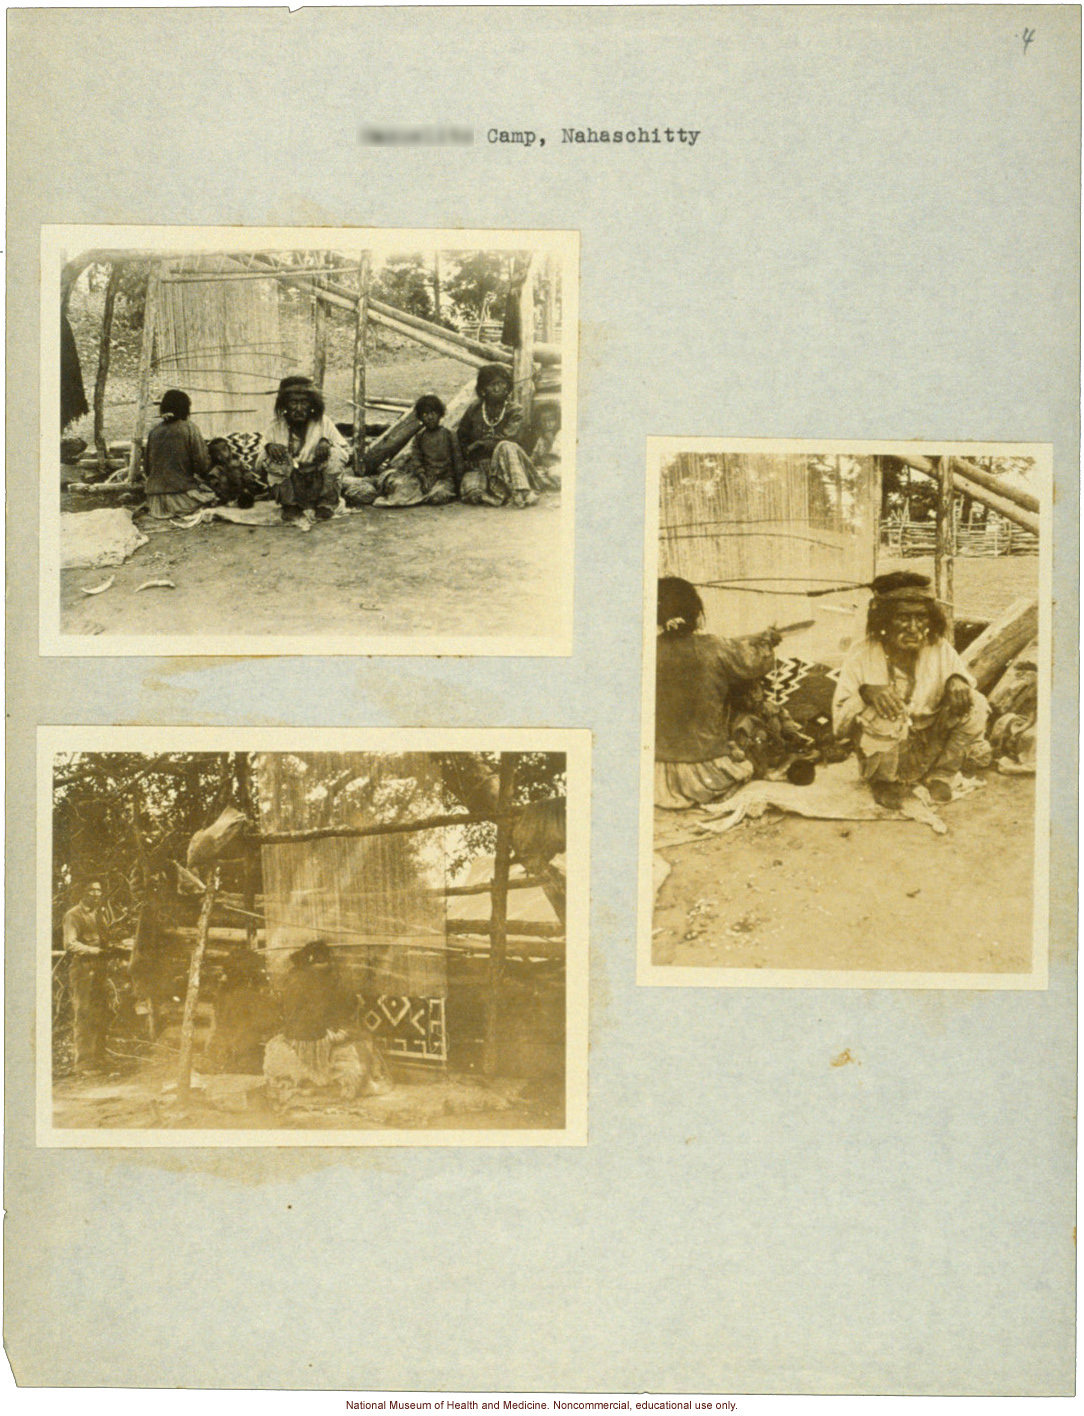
(867, 663)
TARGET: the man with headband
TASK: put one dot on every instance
(906, 698)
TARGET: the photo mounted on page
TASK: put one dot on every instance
(845, 714)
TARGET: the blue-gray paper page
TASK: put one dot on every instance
(368, 367)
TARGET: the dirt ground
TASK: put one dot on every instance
(427, 571)
(453, 570)
(145, 1100)
(789, 893)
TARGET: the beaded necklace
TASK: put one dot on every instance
(485, 417)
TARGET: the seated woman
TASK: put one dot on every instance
(696, 676)
(432, 468)
(304, 455)
(175, 458)
(491, 437)
(315, 1046)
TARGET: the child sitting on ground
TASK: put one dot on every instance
(546, 449)
(226, 475)
(432, 469)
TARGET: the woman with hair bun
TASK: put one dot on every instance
(696, 676)
(175, 458)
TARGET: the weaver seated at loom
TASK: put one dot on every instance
(176, 460)
(319, 1045)
(304, 455)
(697, 677)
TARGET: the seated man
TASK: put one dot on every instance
(905, 697)
(304, 455)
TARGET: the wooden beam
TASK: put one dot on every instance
(398, 828)
(998, 485)
(430, 341)
(191, 997)
(1002, 640)
(944, 549)
(1027, 520)
(150, 317)
(360, 342)
(498, 922)
(491, 353)
(455, 891)
(526, 929)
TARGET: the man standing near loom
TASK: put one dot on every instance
(304, 455)
(86, 977)
(905, 697)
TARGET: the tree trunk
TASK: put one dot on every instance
(104, 351)
(498, 924)
(150, 316)
(361, 335)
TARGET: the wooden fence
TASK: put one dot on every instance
(919, 538)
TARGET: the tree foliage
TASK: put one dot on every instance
(125, 819)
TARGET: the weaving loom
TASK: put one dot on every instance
(377, 901)
(223, 342)
(754, 533)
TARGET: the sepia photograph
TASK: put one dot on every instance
(307, 440)
(322, 937)
(846, 699)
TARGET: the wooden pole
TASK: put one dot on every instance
(243, 768)
(104, 350)
(945, 548)
(523, 357)
(549, 301)
(397, 828)
(498, 923)
(191, 997)
(150, 316)
(361, 325)
(437, 296)
(319, 339)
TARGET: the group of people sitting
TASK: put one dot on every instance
(905, 702)
(493, 458)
